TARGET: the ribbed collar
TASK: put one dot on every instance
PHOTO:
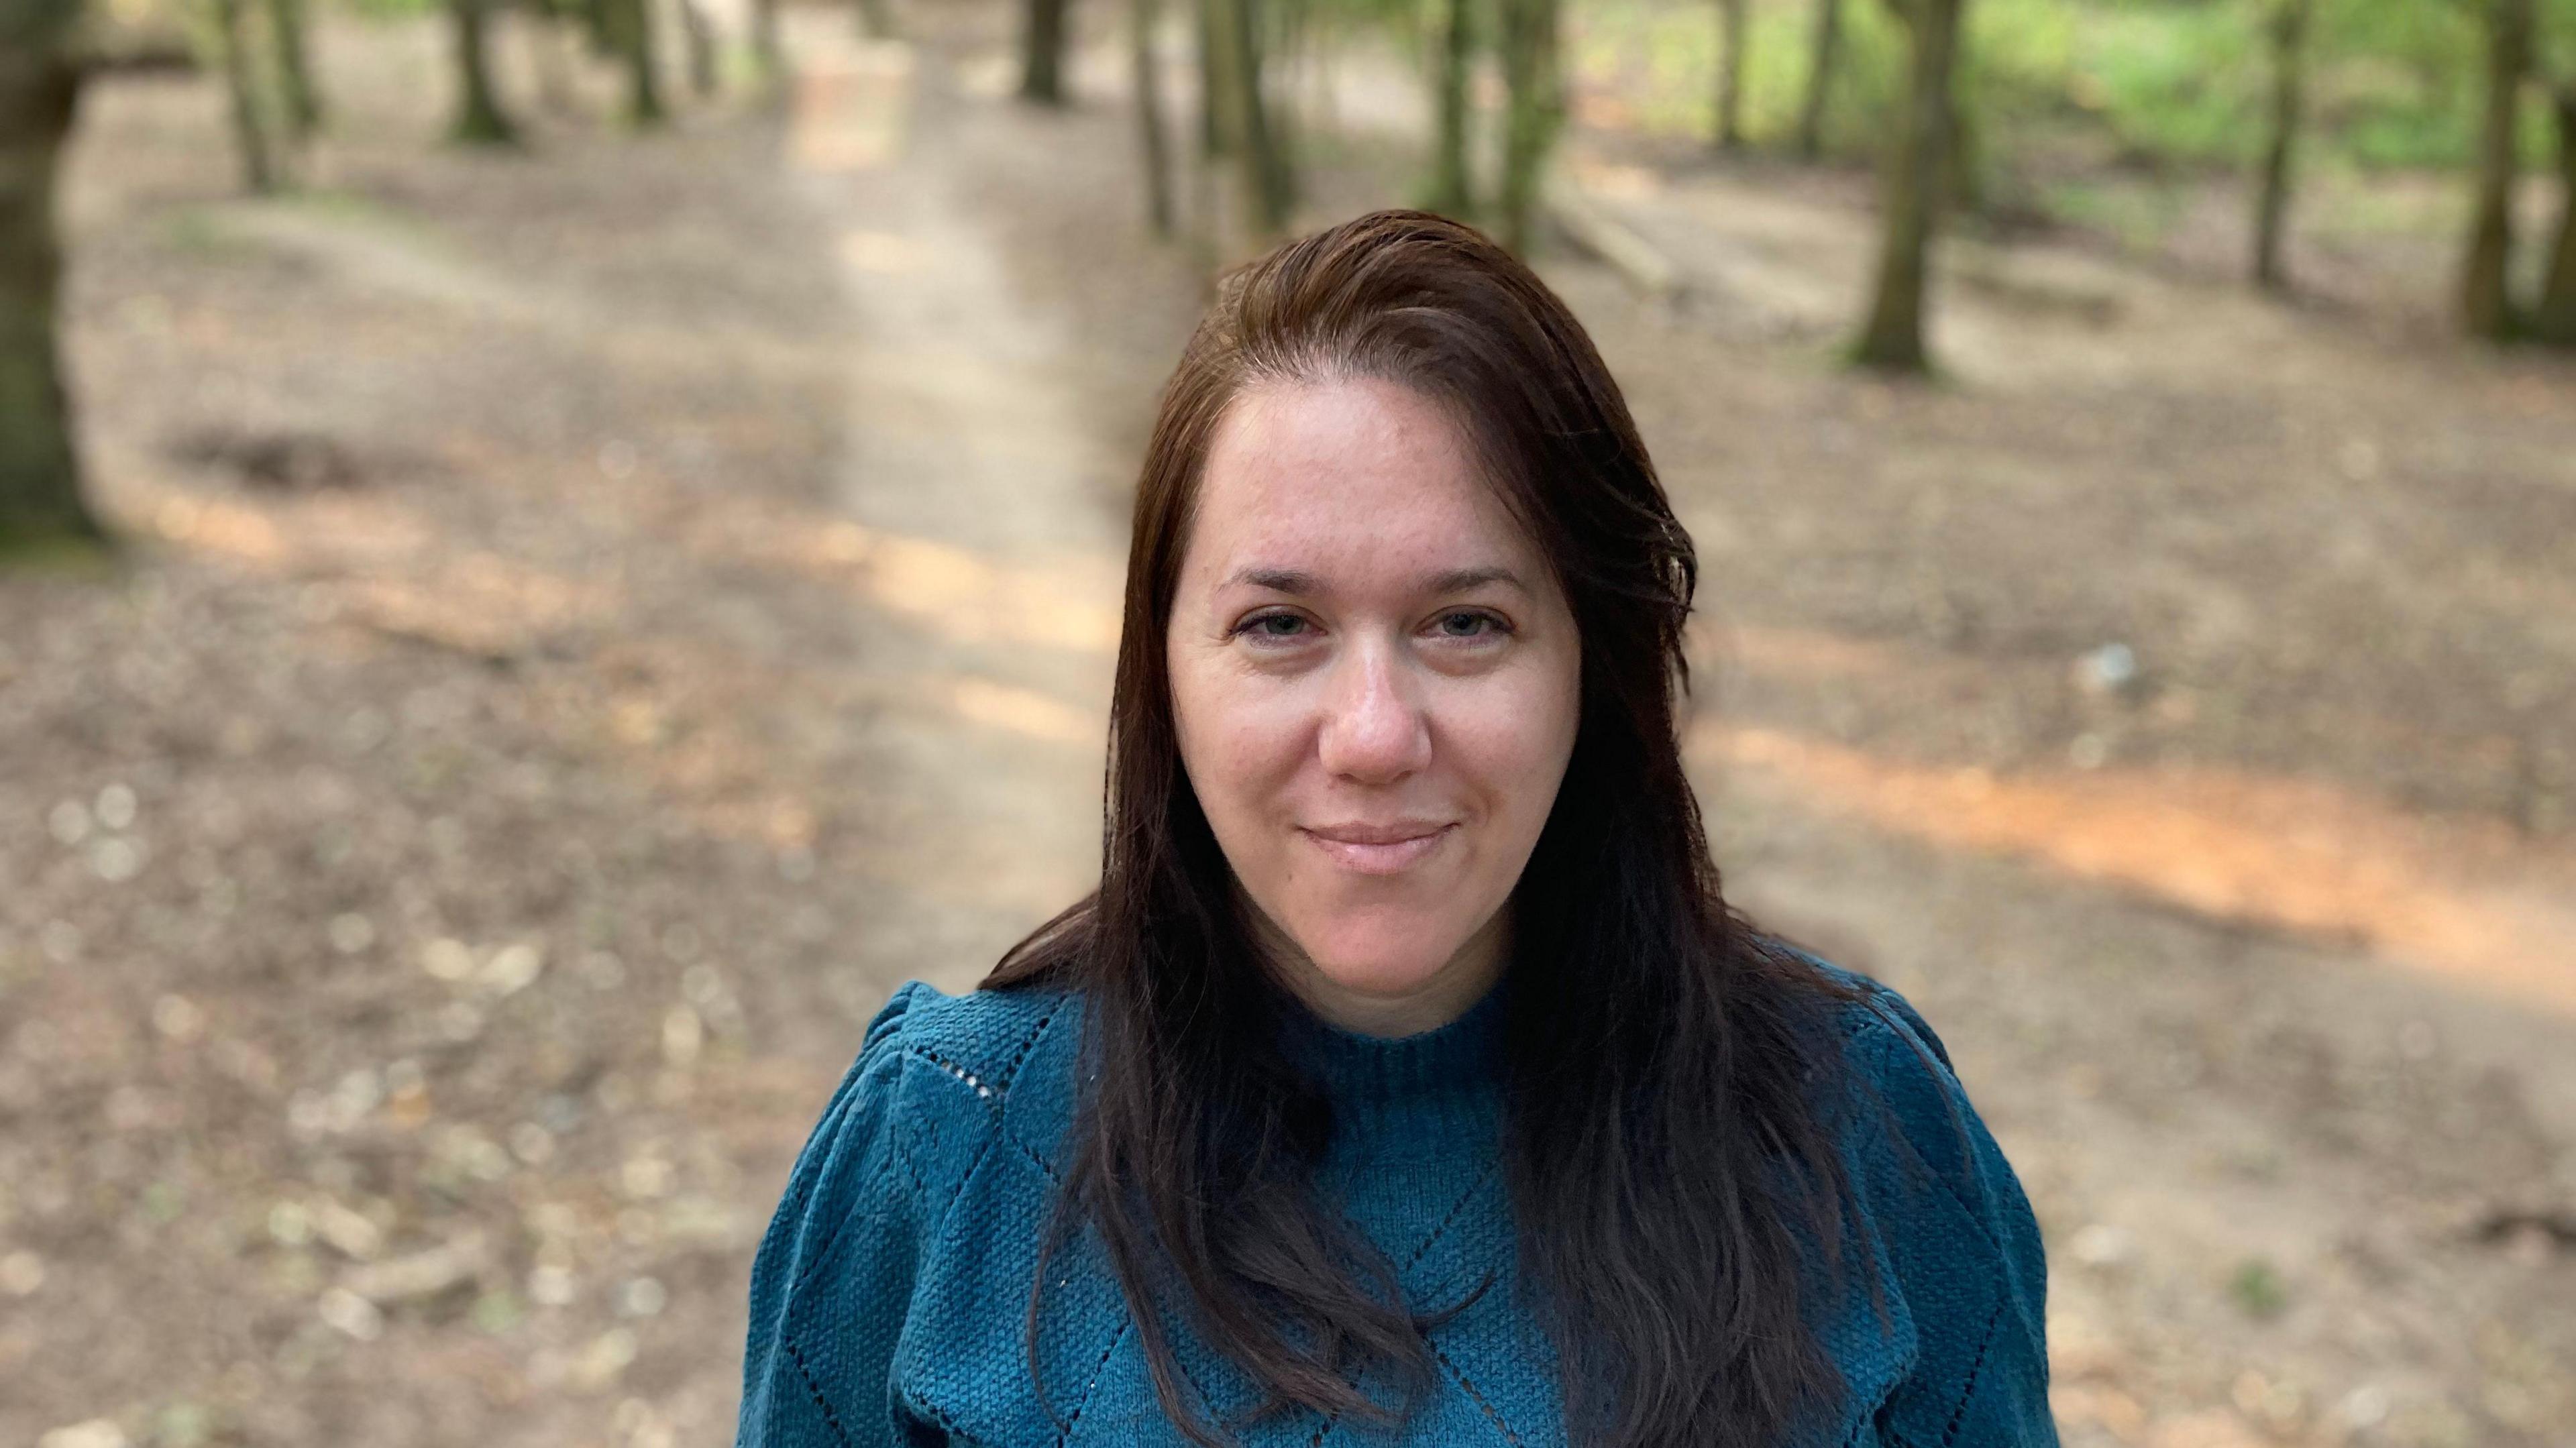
(1383, 1073)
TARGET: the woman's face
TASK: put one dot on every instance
(1376, 679)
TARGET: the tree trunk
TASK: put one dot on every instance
(1822, 61)
(1242, 108)
(1963, 157)
(250, 129)
(40, 492)
(1042, 52)
(480, 121)
(1279, 41)
(1730, 74)
(2554, 320)
(631, 22)
(1452, 192)
(2486, 304)
(876, 20)
(1911, 189)
(1207, 156)
(2272, 204)
(1537, 109)
(295, 67)
(1214, 108)
(699, 34)
(1153, 136)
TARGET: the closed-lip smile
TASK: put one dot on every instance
(1379, 849)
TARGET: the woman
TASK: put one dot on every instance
(1406, 1080)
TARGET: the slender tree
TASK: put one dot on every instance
(1153, 135)
(296, 86)
(40, 79)
(1214, 108)
(1042, 42)
(1240, 106)
(1911, 189)
(2554, 320)
(630, 27)
(1963, 156)
(1536, 112)
(1824, 57)
(1282, 39)
(480, 121)
(2289, 37)
(2486, 302)
(241, 86)
(1212, 151)
(1452, 193)
(1731, 15)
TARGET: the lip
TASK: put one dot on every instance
(1378, 849)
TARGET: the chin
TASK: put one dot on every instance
(1377, 963)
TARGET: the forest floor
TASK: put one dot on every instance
(600, 618)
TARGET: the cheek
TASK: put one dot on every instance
(1237, 743)
(1512, 747)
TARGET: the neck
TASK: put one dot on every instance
(1447, 993)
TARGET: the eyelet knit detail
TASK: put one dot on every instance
(891, 1287)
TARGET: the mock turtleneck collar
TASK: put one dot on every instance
(1367, 1073)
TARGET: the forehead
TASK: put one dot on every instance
(1346, 475)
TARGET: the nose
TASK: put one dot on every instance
(1374, 729)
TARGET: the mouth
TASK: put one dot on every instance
(1378, 849)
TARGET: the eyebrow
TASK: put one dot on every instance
(1299, 582)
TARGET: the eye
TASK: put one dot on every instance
(1272, 628)
(1470, 623)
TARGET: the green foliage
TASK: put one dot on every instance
(2557, 24)
(2162, 83)
(1660, 57)
(391, 9)
(2257, 1289)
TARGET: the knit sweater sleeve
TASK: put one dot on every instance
(1972, 1263)
(833, 1277)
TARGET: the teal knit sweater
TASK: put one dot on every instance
(889, 1297)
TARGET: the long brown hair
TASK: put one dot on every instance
(1668, 1155)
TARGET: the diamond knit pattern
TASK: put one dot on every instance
(889, 1296)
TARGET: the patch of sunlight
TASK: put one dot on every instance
(2291, 854)
(969, 597)
(1022, 711)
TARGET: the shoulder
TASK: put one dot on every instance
(982, 1040)
(1926, 1171)
(1893, 1064)
(1948, 1212)
(953, 1074)
(872, 1208)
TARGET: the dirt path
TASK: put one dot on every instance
(980, 500)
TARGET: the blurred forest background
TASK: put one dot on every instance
(555, 551)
